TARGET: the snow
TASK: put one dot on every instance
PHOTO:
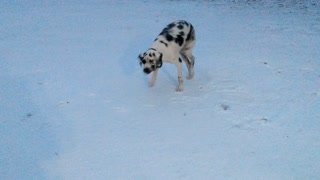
(75, 104)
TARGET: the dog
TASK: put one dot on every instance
(173, 44)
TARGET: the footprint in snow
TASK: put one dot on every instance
(225, 107)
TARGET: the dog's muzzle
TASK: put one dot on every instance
(147, 70)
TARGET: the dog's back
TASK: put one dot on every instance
(178, 36)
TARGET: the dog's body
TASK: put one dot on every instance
(177, 39)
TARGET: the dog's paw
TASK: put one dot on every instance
(191, 74)
(179, 89)
(189, 77)
(151, 84)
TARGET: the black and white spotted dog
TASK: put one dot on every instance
(175, 40)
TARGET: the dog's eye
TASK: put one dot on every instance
(143, 61)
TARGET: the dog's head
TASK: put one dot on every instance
(150, 60)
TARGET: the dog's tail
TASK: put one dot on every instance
(191, 34)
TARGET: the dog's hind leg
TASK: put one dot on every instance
(189, 60)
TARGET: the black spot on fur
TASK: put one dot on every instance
(180, 60)
(164, 43)
(182, 22)
(180, 26)
(169, 37)
(171, 25)
(155, 39)
(166, 31)
(179, 40)
(181, 33)
(150, 55)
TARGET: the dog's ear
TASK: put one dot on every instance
(141, 56)
(159, 62)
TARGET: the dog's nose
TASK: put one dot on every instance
(147, 71)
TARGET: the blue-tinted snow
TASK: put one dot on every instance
(74, 103)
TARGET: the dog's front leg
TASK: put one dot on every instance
(154, 77)
(180, 78)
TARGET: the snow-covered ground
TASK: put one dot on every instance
(74, 103)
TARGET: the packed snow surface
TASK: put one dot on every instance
(75, 104)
